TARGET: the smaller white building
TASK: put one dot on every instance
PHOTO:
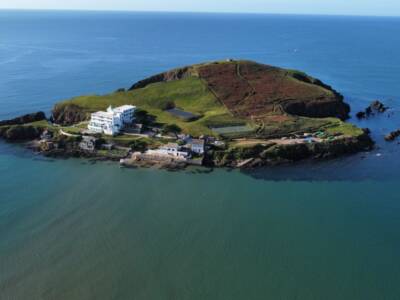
(113, 120)
(171, 149)
(197, 146)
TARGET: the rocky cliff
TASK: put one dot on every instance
(16, 130)
(175, 74)
(28, 118)
(16, 133)
(69, 114)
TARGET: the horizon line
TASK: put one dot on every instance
(194, 12)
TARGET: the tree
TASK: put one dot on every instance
(168, 105)
(142, 116)
(172, 128)
(139, 145)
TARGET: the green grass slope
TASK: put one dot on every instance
(188, 94)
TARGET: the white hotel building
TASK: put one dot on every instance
(113, 120)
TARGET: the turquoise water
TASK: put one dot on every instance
(70, 229)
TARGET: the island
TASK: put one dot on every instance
(231, 113)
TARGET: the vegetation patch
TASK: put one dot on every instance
(251, 90)
(344, 129)
(294, 125)
(189, 94)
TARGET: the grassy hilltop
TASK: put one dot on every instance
(189, 94)
(232, 99)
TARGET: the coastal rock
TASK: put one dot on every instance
(392, 136)
(69, 114)
(21, 133)
(367, 131)
(378, 106)
(28, 118)
(175, 74)
(375, 106)
(361, 115)
(318, 108)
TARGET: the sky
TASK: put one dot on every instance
(335, 7)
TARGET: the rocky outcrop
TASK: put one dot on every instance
(361, 115)
(392, 136)
(68, 114)
(322, 107)
(175, 74)
(28, 118)
(17, 133)
(331, 107)
(376, 106)
(15, 130)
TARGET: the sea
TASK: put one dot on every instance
(74, 229)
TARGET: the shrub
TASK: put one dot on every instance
(139, 145)
(172, 128)
(167, 105)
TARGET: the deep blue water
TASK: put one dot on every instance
(73, 230)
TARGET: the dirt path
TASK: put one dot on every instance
(253, 91)
(62, 132)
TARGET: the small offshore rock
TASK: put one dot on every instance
(378, 106)
(361, 115)
(366, 130)
(375, 106)
(392, 136)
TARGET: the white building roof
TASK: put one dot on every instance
(197, 142)
(123, 108)
(170, 145)
(103, 114)
(111, 111)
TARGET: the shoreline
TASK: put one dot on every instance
(257, 156)
(57, 142)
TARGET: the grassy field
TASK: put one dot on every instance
(46, 125)
(292, 125)
(189, 94)
(339, 127)
(295, 125)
